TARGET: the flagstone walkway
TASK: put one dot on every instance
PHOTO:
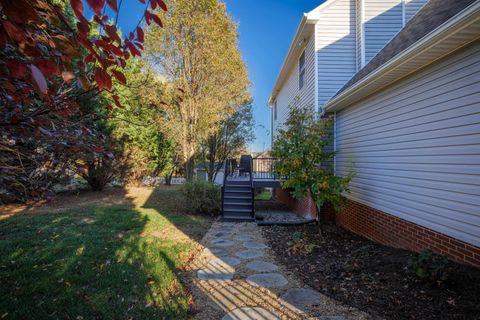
(236, 277)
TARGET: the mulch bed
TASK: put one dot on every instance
(375, 278)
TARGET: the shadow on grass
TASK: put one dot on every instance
(96, 262)
(194, 226)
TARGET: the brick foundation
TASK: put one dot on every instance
(395, 232)
(304, 208)
(385, 228)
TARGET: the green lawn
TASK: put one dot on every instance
(99, 261)
(264, 196)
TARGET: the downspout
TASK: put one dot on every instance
(335, 143)
(315, 49)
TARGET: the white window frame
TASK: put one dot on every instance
(275, 111)
(301, 70)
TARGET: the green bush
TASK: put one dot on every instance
(201, 197)
(430, 267)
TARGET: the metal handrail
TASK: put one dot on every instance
(251, 184)
(264, 169)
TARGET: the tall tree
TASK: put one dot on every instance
(140, 123)
(197, 51)
(229, 140)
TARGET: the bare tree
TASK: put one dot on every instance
(234, 133)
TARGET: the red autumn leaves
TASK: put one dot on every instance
(46, 45)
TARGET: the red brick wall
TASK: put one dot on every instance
(304, 208)
(395, 232)
(385, 228)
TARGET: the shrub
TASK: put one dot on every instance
(201, 197)
(99, 173)
(430, 267)
(304, 152)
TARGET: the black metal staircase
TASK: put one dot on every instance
(238, 190)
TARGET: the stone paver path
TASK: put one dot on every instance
(267, 280)
(261, 266)
(302, 298)
(236, 277)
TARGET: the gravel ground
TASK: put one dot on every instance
(273, 211)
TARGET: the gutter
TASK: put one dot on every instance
(465, 18)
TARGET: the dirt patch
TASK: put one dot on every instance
(69, 200)
(375, 278)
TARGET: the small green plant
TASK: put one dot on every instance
(200, 197)
(304, 150)
(430, 267)
(297, 236)
(300, 245)
(263, 196)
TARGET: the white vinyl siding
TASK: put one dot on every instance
(290, 89)
(383, 19)
(336, 48)
(359, 32)
(412, 7)
(414, 148)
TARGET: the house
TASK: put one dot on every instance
(201, 172)
(402, 79)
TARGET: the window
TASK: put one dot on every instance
(275, 111)
(301, 71)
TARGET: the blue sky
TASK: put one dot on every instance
(266, 30)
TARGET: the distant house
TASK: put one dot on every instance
(201, 173)
(402, 79)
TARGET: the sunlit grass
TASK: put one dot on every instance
(108, 262)
(264, 196)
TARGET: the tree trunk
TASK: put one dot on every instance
(211, 168)
(168, 178)
(217, 168)
(318, 211)
(211, 157)
(190, 168)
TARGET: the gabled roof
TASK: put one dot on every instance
(304, 31)
(434, 21)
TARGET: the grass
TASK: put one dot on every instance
(264, 196)
(99, 261)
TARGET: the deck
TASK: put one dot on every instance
(239, 183)
(260, 179)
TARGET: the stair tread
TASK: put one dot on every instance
(243, 204)
(237, 197)
(238, 214)
(237, 210)
(239, 218)
(238, 187)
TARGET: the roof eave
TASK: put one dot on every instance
(308, 19)
(468, 18)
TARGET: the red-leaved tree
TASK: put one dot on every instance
(51, 66)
